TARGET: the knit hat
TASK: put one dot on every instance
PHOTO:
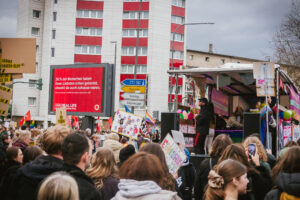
(126, 152)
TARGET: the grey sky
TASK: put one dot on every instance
(242, 27)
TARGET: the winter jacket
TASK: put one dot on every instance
(87, 190)
(110, 188)
(186, 180)
(202, 121)
(143, 190)
(201, 179)
(3, 147)
(288, 183)
(32, 174)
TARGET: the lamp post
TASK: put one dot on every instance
(172, 62)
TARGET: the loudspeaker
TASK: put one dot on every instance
(169, 121)
(88, 122)
(251, 123)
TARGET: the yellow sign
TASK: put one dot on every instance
(132, 89)
(3, 109)
(5, 78)
(61, 116)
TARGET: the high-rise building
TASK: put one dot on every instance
(103, 31)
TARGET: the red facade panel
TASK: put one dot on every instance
(174, 26)
(133, 23)
(83, 22)
(180, 81)
(89, 5)
(179, 98)
(134, 6)
(178, 11)
(176, 63)
(88, 40)
(131, 76)
(130, 60)
(129, 42)
(178, 46)
(80, 58)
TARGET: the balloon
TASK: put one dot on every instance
(185, 115)
(293, 113)
(191, 116)
(287, 115)
(275, 109)
(181, 116)
(179, 111)
(281, 114)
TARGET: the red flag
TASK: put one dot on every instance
(110, 122)
(21, 122)
(27, 117)
(75, 121)
(98, 124)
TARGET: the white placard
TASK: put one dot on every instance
(178, 136)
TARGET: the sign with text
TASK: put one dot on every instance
(134, 82)
(81, 89)
(61, 116)
(126, 124)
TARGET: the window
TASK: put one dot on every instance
(179, 3)
(135, 0)
(191, 57)
(222, 61)
(130, 51)
(53, 34)
(207, 59)
(54, 16)
(52, 52)
(177, 55)
(36, 14)
(35, 31)
(31, 101)
(32, 83)
(85, 49)
(135, 15)
(36, 67)
(177, 19)
(88, 31)
(133, 33)
(37, 47)
(129, 69)
(94, 14)
(178, 37)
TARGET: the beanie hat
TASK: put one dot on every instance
(126, 152)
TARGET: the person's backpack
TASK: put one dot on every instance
(286, 196)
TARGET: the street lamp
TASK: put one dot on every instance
(172, 67)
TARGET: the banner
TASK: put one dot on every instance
(295, 103)
(220, 101)
(174, 156)
(126, 124)
(61, 116)
(178, 137)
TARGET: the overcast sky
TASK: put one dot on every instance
(242, 27)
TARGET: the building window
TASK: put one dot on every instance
(31, 101)
(36, 67)
(52, 52)
(179, 3)
(191, 57)
(35, 31)
(91, 50)
(177, 19)
(36, 14)
(133, 33)
(37, 47)
(135, 0)
(94, 14)
(88, 31)
(129, 69)
(55, 1)
(207, 59)
(177, 55)
(54, 16)
(130, 51)
(135, 15)
(178, 37)
(222, 61)
(32, 83)
(53, 34)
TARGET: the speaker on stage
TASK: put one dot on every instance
(169, 121)
(251, 123)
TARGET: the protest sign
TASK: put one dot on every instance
(178, 136)
(174, 156)
(61, 116)
(126, 124)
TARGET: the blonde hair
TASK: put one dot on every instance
(260, 148)
(23, 135)
(103, 165)
(112, 136)
(35, 132)
(59, 186)
(53, 137)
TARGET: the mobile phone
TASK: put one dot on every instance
(251, 149)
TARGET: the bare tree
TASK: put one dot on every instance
(286, 41)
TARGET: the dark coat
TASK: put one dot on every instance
(201, 179)
(32, 174)
(202, 121)
(87, 190)
(186, 180)
(289, 183)
(110, 188)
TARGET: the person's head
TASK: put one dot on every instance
(112, 136)
(288, 163)
(30, 153)
(219, 144)
(142, 167)
(257, 104)
(25, 136)
(269, 100)
(290, 144)
(103, 165)
(52, 139)
(259, 146)
(59, 186)
(235, 152)
(14, 154)
(238, 110)
(203, 102)
(228, 175)
(35, 132)
(88, 132)
(255, 135)
(76, 150)
(6, 138)
(126, 152)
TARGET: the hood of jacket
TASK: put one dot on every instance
(41, 167)
(289, 183)
(133, 188)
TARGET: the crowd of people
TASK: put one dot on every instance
(60, 163)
